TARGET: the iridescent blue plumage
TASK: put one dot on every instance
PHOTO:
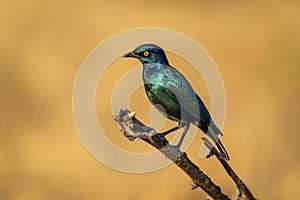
(170, 92)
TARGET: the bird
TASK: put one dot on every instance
(174, 97)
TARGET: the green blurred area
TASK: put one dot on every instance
(255, 44)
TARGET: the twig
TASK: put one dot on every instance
(239, 183)
(149, 135)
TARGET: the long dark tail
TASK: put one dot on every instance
(214, 132)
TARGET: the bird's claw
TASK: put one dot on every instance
(177, 148)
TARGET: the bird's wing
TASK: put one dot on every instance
(178, 87)
(189, 101)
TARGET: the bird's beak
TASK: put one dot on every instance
(130, 54)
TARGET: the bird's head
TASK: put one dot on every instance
(149, 53)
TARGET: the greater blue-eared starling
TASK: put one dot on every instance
(170, 92)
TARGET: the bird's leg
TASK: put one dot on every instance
(186, 128)
(171, 130)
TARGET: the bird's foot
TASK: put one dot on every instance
(162, 134)
(177, 148)
(169, 131)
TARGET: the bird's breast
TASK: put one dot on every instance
(154, 74)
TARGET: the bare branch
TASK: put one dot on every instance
(241, 186)
(149, 135)
(198, 178)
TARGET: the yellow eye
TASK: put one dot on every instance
(146, 53)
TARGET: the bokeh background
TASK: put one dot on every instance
(255, 45)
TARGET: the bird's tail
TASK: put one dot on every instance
(213, 133)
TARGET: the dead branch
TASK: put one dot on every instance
(198, 178)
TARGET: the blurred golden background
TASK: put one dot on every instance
(254, 44)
